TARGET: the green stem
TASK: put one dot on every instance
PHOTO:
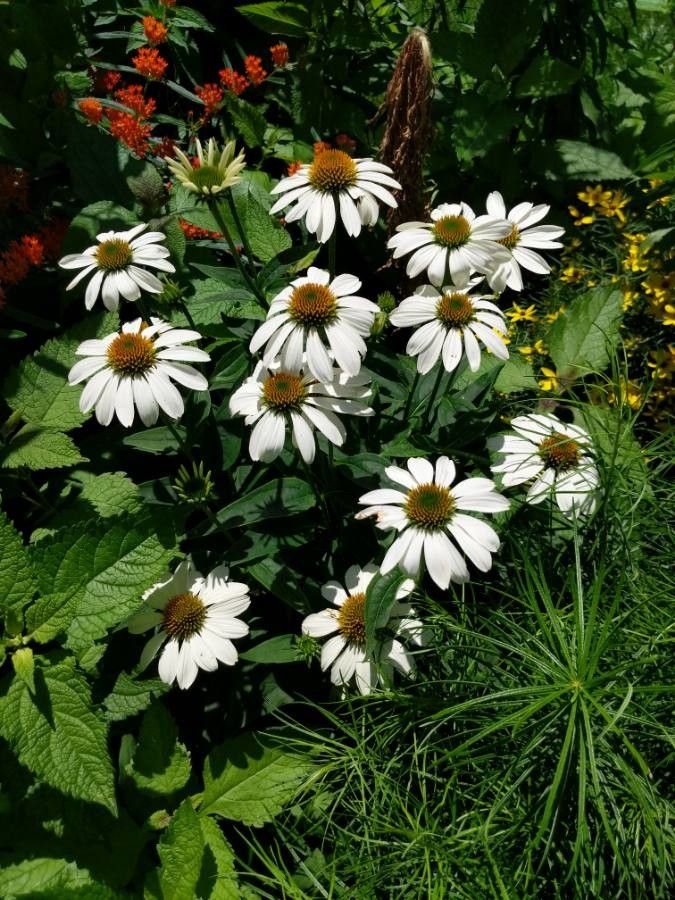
(332, 253)
(213, 206)
(240, 227)
(186, 313)
(434, 391)
(411, 394)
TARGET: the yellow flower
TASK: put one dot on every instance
(661, 201)
(663, 362)
(629, 298)
(635, 261)
(552, 316)
(580, 218)
(633, 238)
(613, 206)
(572, 275)
(660, 286)
(538, 348)
(628, 394)
(593, 196)
(550, 382)
(520, 314)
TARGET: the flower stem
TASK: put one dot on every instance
(332, 253)
(213, 206)
(240, 227)
(434, 391)
(411, 394)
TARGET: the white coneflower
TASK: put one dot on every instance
(555, 457)
(345, 626)
(135, 368)
(274, 398)
(217, 170)
(525, 238)
(335, 183)
(453, 245)
(313, 315)
(428, 513)
(197, 620)
(115, 266)
(452, 324)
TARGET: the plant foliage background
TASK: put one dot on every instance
(531, 755)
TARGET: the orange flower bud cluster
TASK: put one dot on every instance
(155, 31)
(212, 97)
(254, 70)
(279, 54)
(233, 81)
(91, 109)
(150, 63)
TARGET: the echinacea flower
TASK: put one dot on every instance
(452, 324)
(315, 315)
(116, 263)
(523, 242)
(345, 650)
(557, 458)
(217, 170)
(428, 513)
(453, 245)
(136, 368)
(197, 620)
(332, 183)
(274, 398)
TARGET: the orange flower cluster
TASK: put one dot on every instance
(321, 147)
(233, 81)
(155, 31)
(132, 96)
(105, 80)
(212, 96)
(279, 54)
(294, 167)
(13, 188)
(19, 257)
(254, 70)
(91, 109)
(194, 232)
(345, 143)
(150, 63)
(131, 131)
(164, 147)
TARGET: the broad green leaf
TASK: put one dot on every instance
(279, 649)
(23, 662)
(131, 696)
(92, 576)
(546, 77)
(251, 778)
(180, 851)
(279, 17)
(267, 237)
(38, 387)
(155, 440)
(275, 500)
(196, 211)
(582, 339)
(584, 161)
(515, 375)
(217, 877)
(40, 448)
(104, 215)
(380, 597)
(56, 734)
(161, 765)
(109, 494)
(17, 581)
(248, 121)
(35, 878)
(281, 581)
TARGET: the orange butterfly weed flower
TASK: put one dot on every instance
(150, 63)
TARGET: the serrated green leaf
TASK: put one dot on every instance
(40, 448)
(516, 375)
(217, 876)
(267, 237)
(92, 576)
(38, 877)
(584, 161)
(251, 778)
(38, 387)
(161, 765)
(56, 734)
(17, 580)
(110, 494)
(380, 597)
(180, 851)
(279, 17)
(248, 121)
(278, 649)
(277, 499)
(581, 340)
(131, 696)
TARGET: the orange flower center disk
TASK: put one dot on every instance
(511, 239)
(284, 391)
(113, 255)
(429, 506)
(452, 231)
(454, 310)
(313, 305)
(559, 452)
(184, 616)
(351, 619)
(131, 354)
(332, 170)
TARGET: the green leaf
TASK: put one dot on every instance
(267, 237)
(247, 119)
(36, 877)
(109, 494)
(130, 696)
(56, 735)
(92, 576)
(23, 662)
(17, 580)
(38, 387)
(154, 440)
(104, 215)
(516, 375)
(279, 17)
(380, 597)
(546, 77)
(581, 340)
(217, 877)
(251, 778)
(278, 649)
(40, 448)
(584, 161)
(160, 764)
(180, 851)
(275, 500)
